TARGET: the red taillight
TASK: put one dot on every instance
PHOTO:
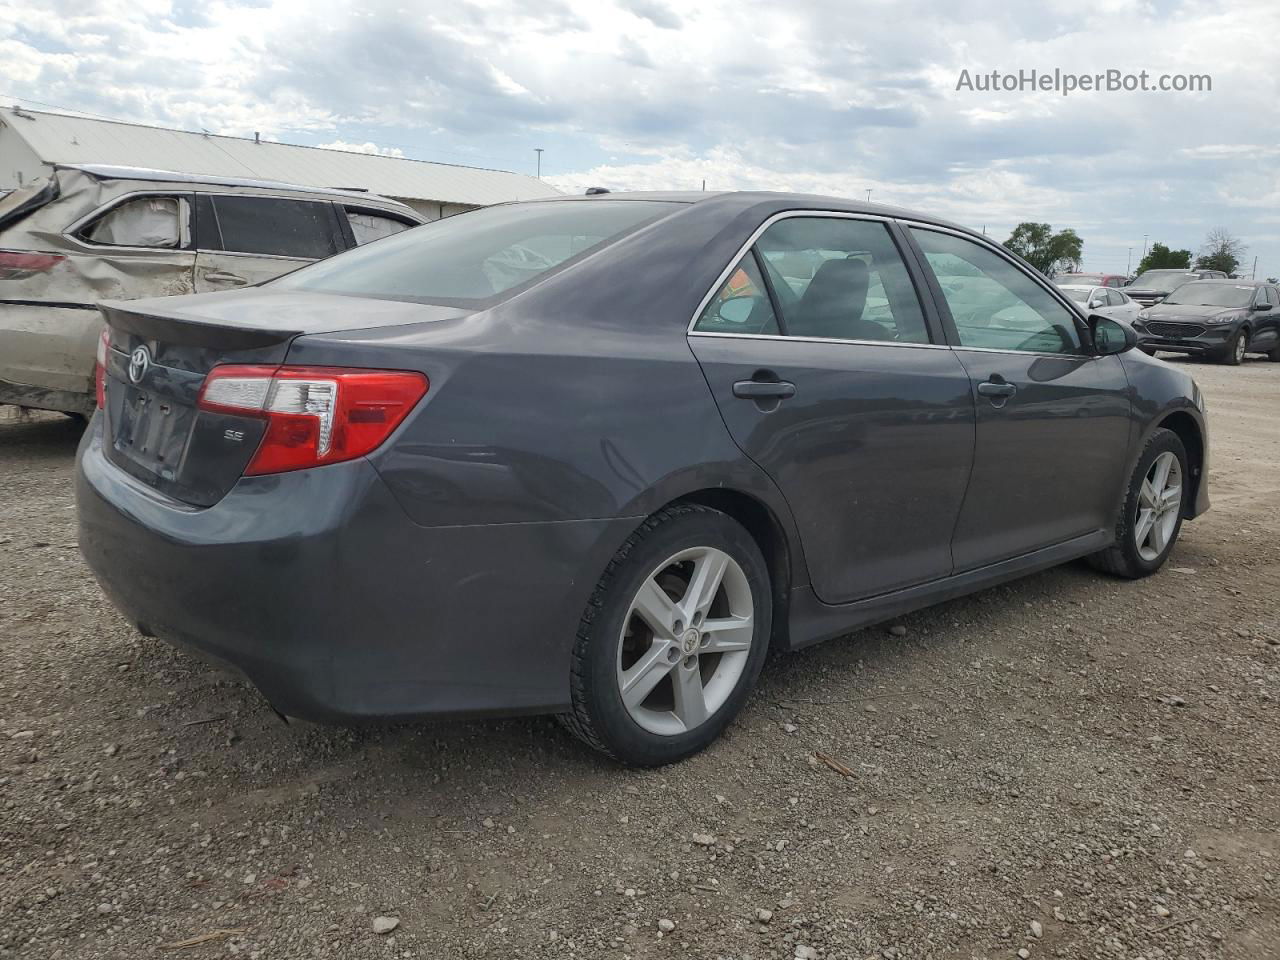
(315, 415)
(17, 266)
(100, 369)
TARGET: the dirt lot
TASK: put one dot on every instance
(1069, 765)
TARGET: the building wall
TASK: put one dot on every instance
(433, 210)
(19, 164)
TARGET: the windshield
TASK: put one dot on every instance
(1162, 280)
(478, 255)
(1202, 294)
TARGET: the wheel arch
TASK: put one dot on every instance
(770, 535)
(1189, 432)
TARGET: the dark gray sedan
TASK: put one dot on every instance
(594, 456)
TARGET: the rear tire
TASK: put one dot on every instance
(661, 667)
(1274, 355)
(1236, 349)
(1151, 515)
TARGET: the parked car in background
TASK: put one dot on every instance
(1219, 319)
(94, 232)
(695, 427)
(1107, 301)
(1096, 279)
(1154, 285)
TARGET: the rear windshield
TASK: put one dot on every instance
(477, 256)
(1078, 294)
(18, 203)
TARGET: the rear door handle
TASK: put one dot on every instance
(215, 276)
(764, 389)
(996, 388)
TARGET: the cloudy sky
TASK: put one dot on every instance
(830, 96)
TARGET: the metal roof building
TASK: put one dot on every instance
(32, 141)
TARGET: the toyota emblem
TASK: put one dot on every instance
(139, 362)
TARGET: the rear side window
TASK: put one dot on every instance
(741, 305)
(141, 222)
(833, 279)
(275, 227)
(479, 255)
(367, 225)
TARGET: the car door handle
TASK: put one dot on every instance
(764, 389)
(215, 276)
(996, 388)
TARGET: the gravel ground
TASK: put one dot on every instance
(1070, 766)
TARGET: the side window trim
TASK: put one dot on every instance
(900, 238)
(944, 309)
(186, 235)
(763, 266)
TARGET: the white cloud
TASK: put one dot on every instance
(817, 95)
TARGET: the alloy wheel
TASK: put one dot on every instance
(686, 641)
(1240, 347)
(1159, 503)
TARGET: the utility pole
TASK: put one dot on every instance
(1253, 274)
(1128, 267)
(1144, 246)
(538, 151)
(868, 194)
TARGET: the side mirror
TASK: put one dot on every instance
(1262, 306)
(736, 309)
(1095, 304)
(1110, 336)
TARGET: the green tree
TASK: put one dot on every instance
(1222, 250)
(1045, 250)
(1160, 257)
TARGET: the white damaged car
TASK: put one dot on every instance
(91, 233)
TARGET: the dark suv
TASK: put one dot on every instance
(1221, 319)
(1154, 285)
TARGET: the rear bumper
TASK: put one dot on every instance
(46, 356)
(338, 607)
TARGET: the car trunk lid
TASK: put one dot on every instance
(160, 352)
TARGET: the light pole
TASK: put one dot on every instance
(868, 194)
(1128, 267)
(538, 151)
(1144, 246)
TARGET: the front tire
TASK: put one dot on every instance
(672, 640)
(1151, 515)
(1236, 349)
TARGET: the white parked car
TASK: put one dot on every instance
(1107, 301)
(89, 233)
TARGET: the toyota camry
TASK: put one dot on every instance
(595, 456)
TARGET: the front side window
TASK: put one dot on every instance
(141, 222)
(476, 256)
(994, 304)
(275, 227)
(367, 225)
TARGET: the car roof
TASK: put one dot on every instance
(779, 199)
(101, 171)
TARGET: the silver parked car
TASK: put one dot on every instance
(90, 233)
(1106, 301)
